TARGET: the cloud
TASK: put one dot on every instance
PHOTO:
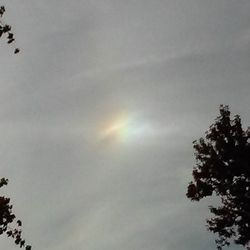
(168, 65)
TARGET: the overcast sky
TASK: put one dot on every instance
(99, 110)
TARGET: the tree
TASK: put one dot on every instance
(7, 218)
(223, 169)
(5, 29)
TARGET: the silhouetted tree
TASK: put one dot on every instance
(7, 218)
(223, 169)
(5, 29)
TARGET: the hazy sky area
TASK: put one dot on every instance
(99, 110)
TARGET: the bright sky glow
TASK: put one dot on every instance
(125, 127)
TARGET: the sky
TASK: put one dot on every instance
(99, 110)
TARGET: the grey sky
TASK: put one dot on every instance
(171, 63)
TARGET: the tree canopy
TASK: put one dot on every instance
(223, 169)
(7, 219)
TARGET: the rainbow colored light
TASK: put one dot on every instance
(123, 127)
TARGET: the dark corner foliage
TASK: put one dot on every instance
(5, 29)
(223, 169)
(7, 218)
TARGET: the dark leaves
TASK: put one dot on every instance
(19, 223)
(3, 182)
(7, 218)
(223, 167)
(5, 29)
(16, 51)
(2, 10)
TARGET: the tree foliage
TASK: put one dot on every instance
(5, 30)
(223, 169)
(7, 218)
